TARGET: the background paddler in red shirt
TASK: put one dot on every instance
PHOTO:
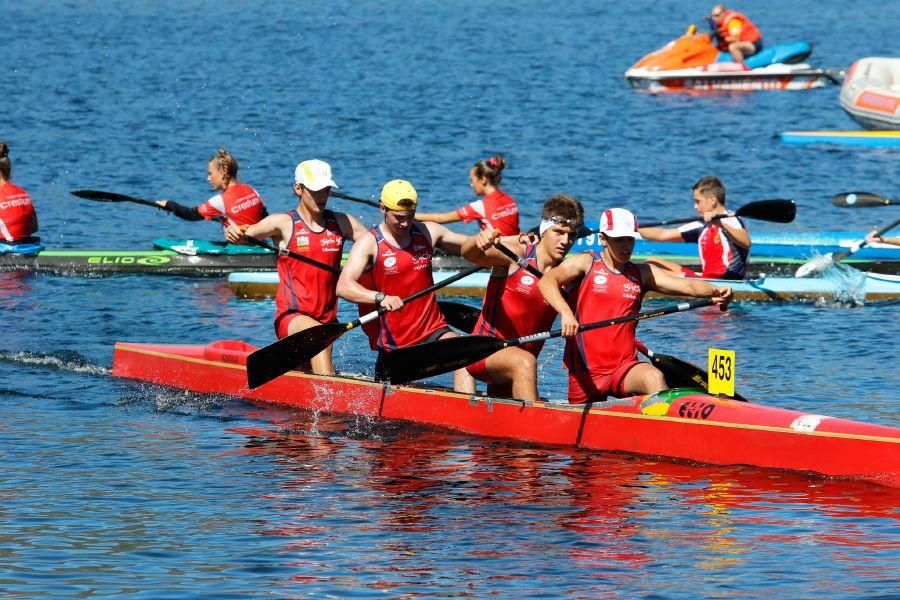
(495, 209)
(18, 219)
(238, 204)
(513, 305)
(603, 362)
(393, 260)
(306, 292)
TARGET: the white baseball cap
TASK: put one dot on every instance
(314, 175)
(619, 222)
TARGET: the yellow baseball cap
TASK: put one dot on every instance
(399, 194)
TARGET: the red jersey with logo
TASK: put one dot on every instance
(304, 288)
(604, 294)
(721, 258)
(17, 217)
(401, 272)
(496, 210)
(239, 204)
(513, 306)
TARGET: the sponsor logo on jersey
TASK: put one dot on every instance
(390, 261)
(527, 280)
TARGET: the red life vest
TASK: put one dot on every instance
(304, 288)
(513, 306)
(749, 32)
(604, 294)
(401, 272)
(239, 204)
(17, 217)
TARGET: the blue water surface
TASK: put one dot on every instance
(112, 487)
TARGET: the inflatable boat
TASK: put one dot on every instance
(871, 93)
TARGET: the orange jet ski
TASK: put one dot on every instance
(693, 62)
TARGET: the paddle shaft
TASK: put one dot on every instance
(352, 199)
(838, 256)
(100, 196)
(284, 251)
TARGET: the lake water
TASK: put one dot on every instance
(115, 488)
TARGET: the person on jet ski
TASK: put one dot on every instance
(735, 33)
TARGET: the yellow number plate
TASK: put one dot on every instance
(721, 372)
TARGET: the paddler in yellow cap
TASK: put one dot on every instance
(394, 260)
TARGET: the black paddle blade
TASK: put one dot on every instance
(436, 358)
(859, 200)
(679, 373)
(276, 359)
(102, 196)
(775, 211)
(458, 315)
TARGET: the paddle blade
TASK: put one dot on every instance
(679, 373)
(436, 358)
(775, 211)
(859, 200)
(458, 315)
(288, 353)
(815, 266)
(102, 196)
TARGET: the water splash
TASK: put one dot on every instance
(849, 283)
(64, 360)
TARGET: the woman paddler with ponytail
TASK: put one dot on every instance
(495, 209)
(18, 220)
(238, 204)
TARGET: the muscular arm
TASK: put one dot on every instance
(491, 257)
(659, 234)
(659, 280)
(569, 270)
(738, 235)
(277, 226)
(444, 217)
(441, 237)
(350, 226)
(361, 256)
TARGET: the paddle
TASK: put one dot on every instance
(443, 356)
(276, 359)
(861, 200)
(774, 211)
(113, 197)
(679, 373)
(821, 263)
(352, 199)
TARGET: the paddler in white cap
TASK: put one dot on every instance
(603, 362)
(394, 260)
(306, 293)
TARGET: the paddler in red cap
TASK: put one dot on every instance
(394, 260)
(513, 305)
(238, 204)
(603, 362)
(306, 293)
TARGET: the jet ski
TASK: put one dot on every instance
(693, 62)
(871, 93)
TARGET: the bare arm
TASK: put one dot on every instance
(362, 255)
(661, 281)
(659, 234)
(350, 226)
(894, 241)
(558, 277)
(481, 249)
(441, 237)
(444, 217)
(277, 226)
(738, 235)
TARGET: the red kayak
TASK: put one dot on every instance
(682, 424)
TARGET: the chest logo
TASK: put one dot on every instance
(390, 261)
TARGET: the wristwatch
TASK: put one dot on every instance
(379, 297)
